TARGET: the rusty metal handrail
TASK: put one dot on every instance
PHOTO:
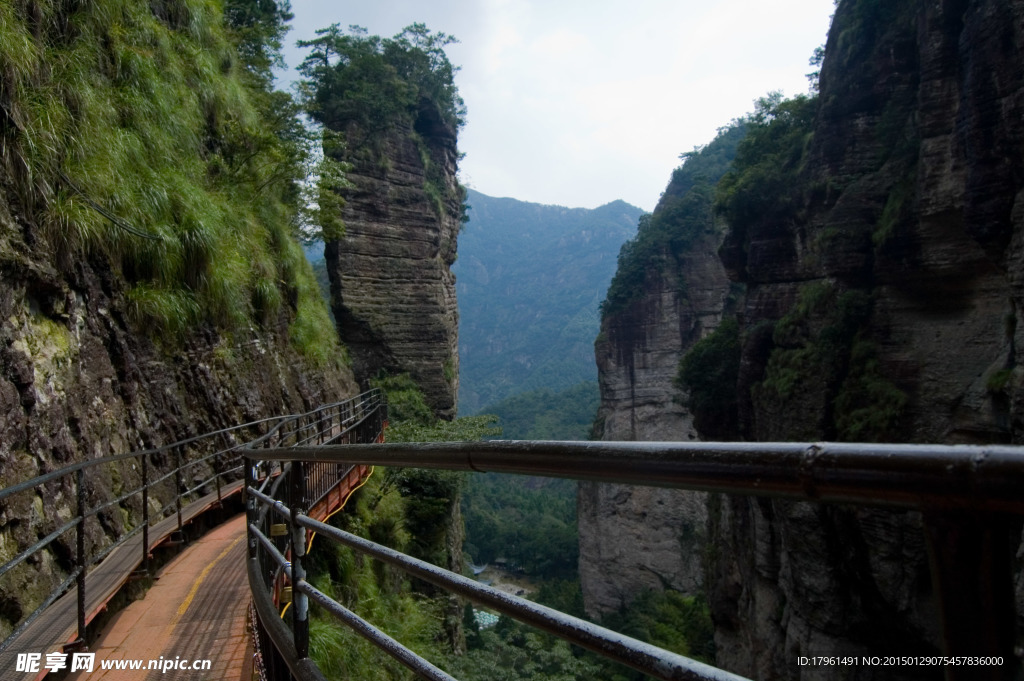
(971, 497)
(146, 459)
(982, 478)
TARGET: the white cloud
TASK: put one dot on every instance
(580, 102)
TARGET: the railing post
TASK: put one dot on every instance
(145, 512)
(217, 466)
(300, 602)
(250, 503)
(80, 558)
(177, 484)
(972, 572)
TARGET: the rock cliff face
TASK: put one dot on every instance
(78, 381)
(393, 292)
(881, 303)
(912, 214)
(638, 353)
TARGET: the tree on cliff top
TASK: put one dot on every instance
(259, 27)
(684, 212)
(377, 82)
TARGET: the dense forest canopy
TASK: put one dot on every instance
(544, 414)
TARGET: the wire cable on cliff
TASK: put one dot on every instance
(118, 222)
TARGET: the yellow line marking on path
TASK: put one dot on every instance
(199, 581)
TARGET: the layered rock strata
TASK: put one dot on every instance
(393, 292)
(637, 538)
(882, 305)
(910, 216)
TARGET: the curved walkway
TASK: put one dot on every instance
(57, 624)
(196, 610)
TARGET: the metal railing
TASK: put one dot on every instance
(971, 498)
(179, 473)
(282, 653)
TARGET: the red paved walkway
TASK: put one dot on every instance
(197, 609)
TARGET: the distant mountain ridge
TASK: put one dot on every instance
(530, 279)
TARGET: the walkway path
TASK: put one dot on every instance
(196, 610)
(57, 624)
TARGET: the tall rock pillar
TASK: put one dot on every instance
(392, 288)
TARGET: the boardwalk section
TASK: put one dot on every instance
(57, 624)
(197, 610)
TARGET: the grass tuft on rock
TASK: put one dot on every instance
(138, 135)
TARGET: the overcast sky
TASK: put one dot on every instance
(581, 102)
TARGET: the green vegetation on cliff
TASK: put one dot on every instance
(762, 183)
(377, 82)
(146, 136)
(669, 620)
(685, 210)
(412, 510)
(378, 593)
(822, 345)
(412, 420)
(364, 87)
(709, 372)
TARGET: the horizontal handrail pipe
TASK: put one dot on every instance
(982, 478)
(38, 480)
(361, 408)
(20, 558)
(632, 652)
(173, 471)
(35, 614)
(641, 656)
(421, 667)
(971, 500)
(191, 454)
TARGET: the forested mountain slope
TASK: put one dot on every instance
(530, 278)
